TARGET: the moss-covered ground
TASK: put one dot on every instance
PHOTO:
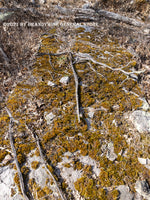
(106, 90)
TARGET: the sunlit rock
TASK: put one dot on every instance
(141, 120)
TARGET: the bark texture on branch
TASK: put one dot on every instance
(115, 16)
(4, 56)
(88, 15)
(22, 186)
(76, 86)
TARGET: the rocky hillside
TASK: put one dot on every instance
(74, 117)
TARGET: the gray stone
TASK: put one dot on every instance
(91, 112)
(64, 80)
(3, 16)
(144, 161)
(110, 152)
(42, 1)
(86, 160)
(143, 188)
(50, 83)
(7, 159)
(141, 120)
(124, 193)
(49, 117)
(6, 183)
(137, 196)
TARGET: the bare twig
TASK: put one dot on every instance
(22, 186)
(4, 56)
(96, 71)
(50, 61)
(87, 57)
(77, 87)
(52, 54)
(118, 17)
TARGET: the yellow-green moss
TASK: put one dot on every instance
(47, 190)
(13, 192)
(101, 89)
(35, 164)
(21, 158)
(17, 181)
(3, 153)
(68, 165)
(25, 170)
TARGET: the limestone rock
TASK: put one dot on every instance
(64, 80)
(91, 112)
(7, 159)
(69, 174)
(86, 160)
(110, 153)
(145, 162)
(50, 83)
(7, 183)
(137, 196)
(143, 188)
(42, 1)
(124, 193)
(141, 120)
(49, 117)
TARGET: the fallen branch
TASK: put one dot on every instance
(96, 71)
(12, 121)
(93, 14)
(52, 54)
(77, 87)
(4, 56)
(119, 17)
(87, 57)
(44, 162)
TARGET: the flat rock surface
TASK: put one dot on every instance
(141, 120)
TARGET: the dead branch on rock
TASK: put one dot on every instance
(93, 14)
(52, 54)
(118, 17)
(11, 123)
(44, 162)
(87, 57)
(77, 87)
(96, 71)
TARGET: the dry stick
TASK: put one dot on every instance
(15, 154)
(115, 16)
(52, 54)
(4, 56)
(103, 65)
(96, 71)
(94, 14)
(77, 87)
(50, 62)
(44, 162)
(80, 13)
